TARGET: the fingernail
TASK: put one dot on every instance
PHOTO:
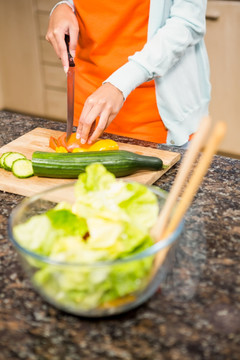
(65, 68)
(73, 52)
(89, 142)
(83, 141)
(78, 136)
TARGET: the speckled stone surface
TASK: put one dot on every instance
(196, 313)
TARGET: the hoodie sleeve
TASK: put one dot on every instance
(184, 27)
(67, 2)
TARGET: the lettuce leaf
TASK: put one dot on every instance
(110, 219)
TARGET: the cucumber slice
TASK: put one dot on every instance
(3, 157)
(22, 168)
(10, 158)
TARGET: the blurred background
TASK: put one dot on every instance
(32, 80)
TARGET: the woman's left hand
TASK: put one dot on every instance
(106, 103)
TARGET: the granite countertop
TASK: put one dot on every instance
(194, 315)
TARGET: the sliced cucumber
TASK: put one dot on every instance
(10, 158)
(22, 168)
(3, 157)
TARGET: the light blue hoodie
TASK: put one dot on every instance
(175, 57)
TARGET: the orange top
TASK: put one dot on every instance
(110, 31)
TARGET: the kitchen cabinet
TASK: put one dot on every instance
(45, 5)
(54, 78)
(223, 45)
(21, 78)
(32, 77)
(1, 93)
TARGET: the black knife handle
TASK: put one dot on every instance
(70, 58)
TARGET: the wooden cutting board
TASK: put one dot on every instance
(38, 139)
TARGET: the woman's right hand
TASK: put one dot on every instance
(63, 22)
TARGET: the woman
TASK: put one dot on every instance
(141, 66)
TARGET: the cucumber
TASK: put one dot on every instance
(3, 157)
(70, 165)
(22, 168)
(10, 158)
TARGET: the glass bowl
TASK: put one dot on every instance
(60, 283)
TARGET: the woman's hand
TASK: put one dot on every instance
(63, 22)
(104, 103)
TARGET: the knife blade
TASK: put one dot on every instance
(70, 90)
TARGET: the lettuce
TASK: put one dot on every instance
(110, 219)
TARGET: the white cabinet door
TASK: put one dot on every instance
(223, 45)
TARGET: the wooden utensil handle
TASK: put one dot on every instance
(197, 177)
(182, 175)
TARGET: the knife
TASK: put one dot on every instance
(70, 90)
